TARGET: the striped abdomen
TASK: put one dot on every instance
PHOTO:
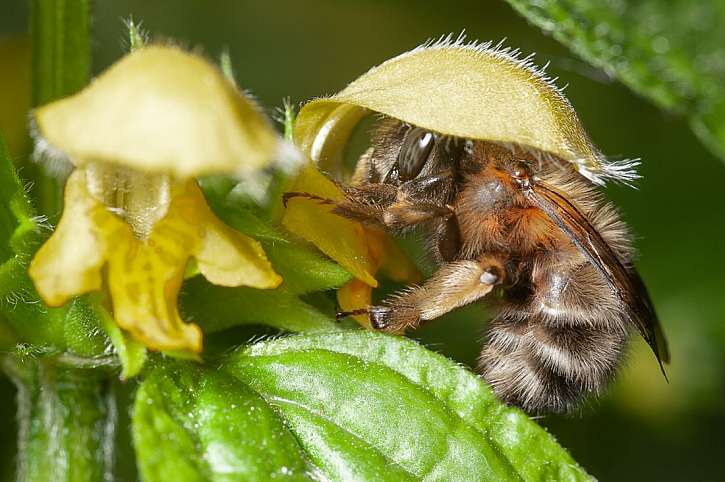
(559, 342)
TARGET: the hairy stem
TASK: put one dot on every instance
(66, 418)
(60, 31)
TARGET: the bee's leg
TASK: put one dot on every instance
(454, 285)
(400, 208)
(365, 204)
(396, 207)
(419, 201)
(305, 195)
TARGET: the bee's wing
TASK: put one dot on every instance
(625, 282)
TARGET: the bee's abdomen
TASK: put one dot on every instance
(544, 356)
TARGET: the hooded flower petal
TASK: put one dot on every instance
(461, 89)
(161, 110)
(144, 276)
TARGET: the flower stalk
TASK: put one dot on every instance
(61, 66)
(66, 422)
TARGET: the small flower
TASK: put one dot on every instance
(134, 216)
(469, 90)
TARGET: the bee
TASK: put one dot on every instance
(523, 230)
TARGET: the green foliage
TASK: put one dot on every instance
(350, 406)
(200, 424)
(669, 52)
(17, 228)
(18, 239)
(73, 327)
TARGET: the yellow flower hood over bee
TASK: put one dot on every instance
(461, 89)
(160, 109)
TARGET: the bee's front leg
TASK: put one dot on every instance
(454, 285)
(365, 204)
(379, 204)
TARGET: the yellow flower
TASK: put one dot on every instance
(134, 216)
(467, 90)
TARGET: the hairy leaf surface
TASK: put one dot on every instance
(358, 405)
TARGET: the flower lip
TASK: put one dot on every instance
(457, 88)
(161, 110)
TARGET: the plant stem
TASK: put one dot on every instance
(60, 31)
(66, 421)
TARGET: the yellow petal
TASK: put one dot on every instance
(144, 280)
(476, 92)
(354, 295)
(228, 258)
(341, 239)
(69, 263)
(384, 254)
(160, 109)
(391, 260)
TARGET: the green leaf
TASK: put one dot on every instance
(216, 308)
(304, 270)
(365, 406)
(668, 51)
(132, 353)
(7, 337)
(31, 320)
(194, 424)
(18, 231)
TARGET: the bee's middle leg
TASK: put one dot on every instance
(454, 285)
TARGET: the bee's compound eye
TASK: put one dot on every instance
(414, 152)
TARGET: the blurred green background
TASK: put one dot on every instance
(645, 428)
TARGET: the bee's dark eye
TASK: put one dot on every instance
(416, 149)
